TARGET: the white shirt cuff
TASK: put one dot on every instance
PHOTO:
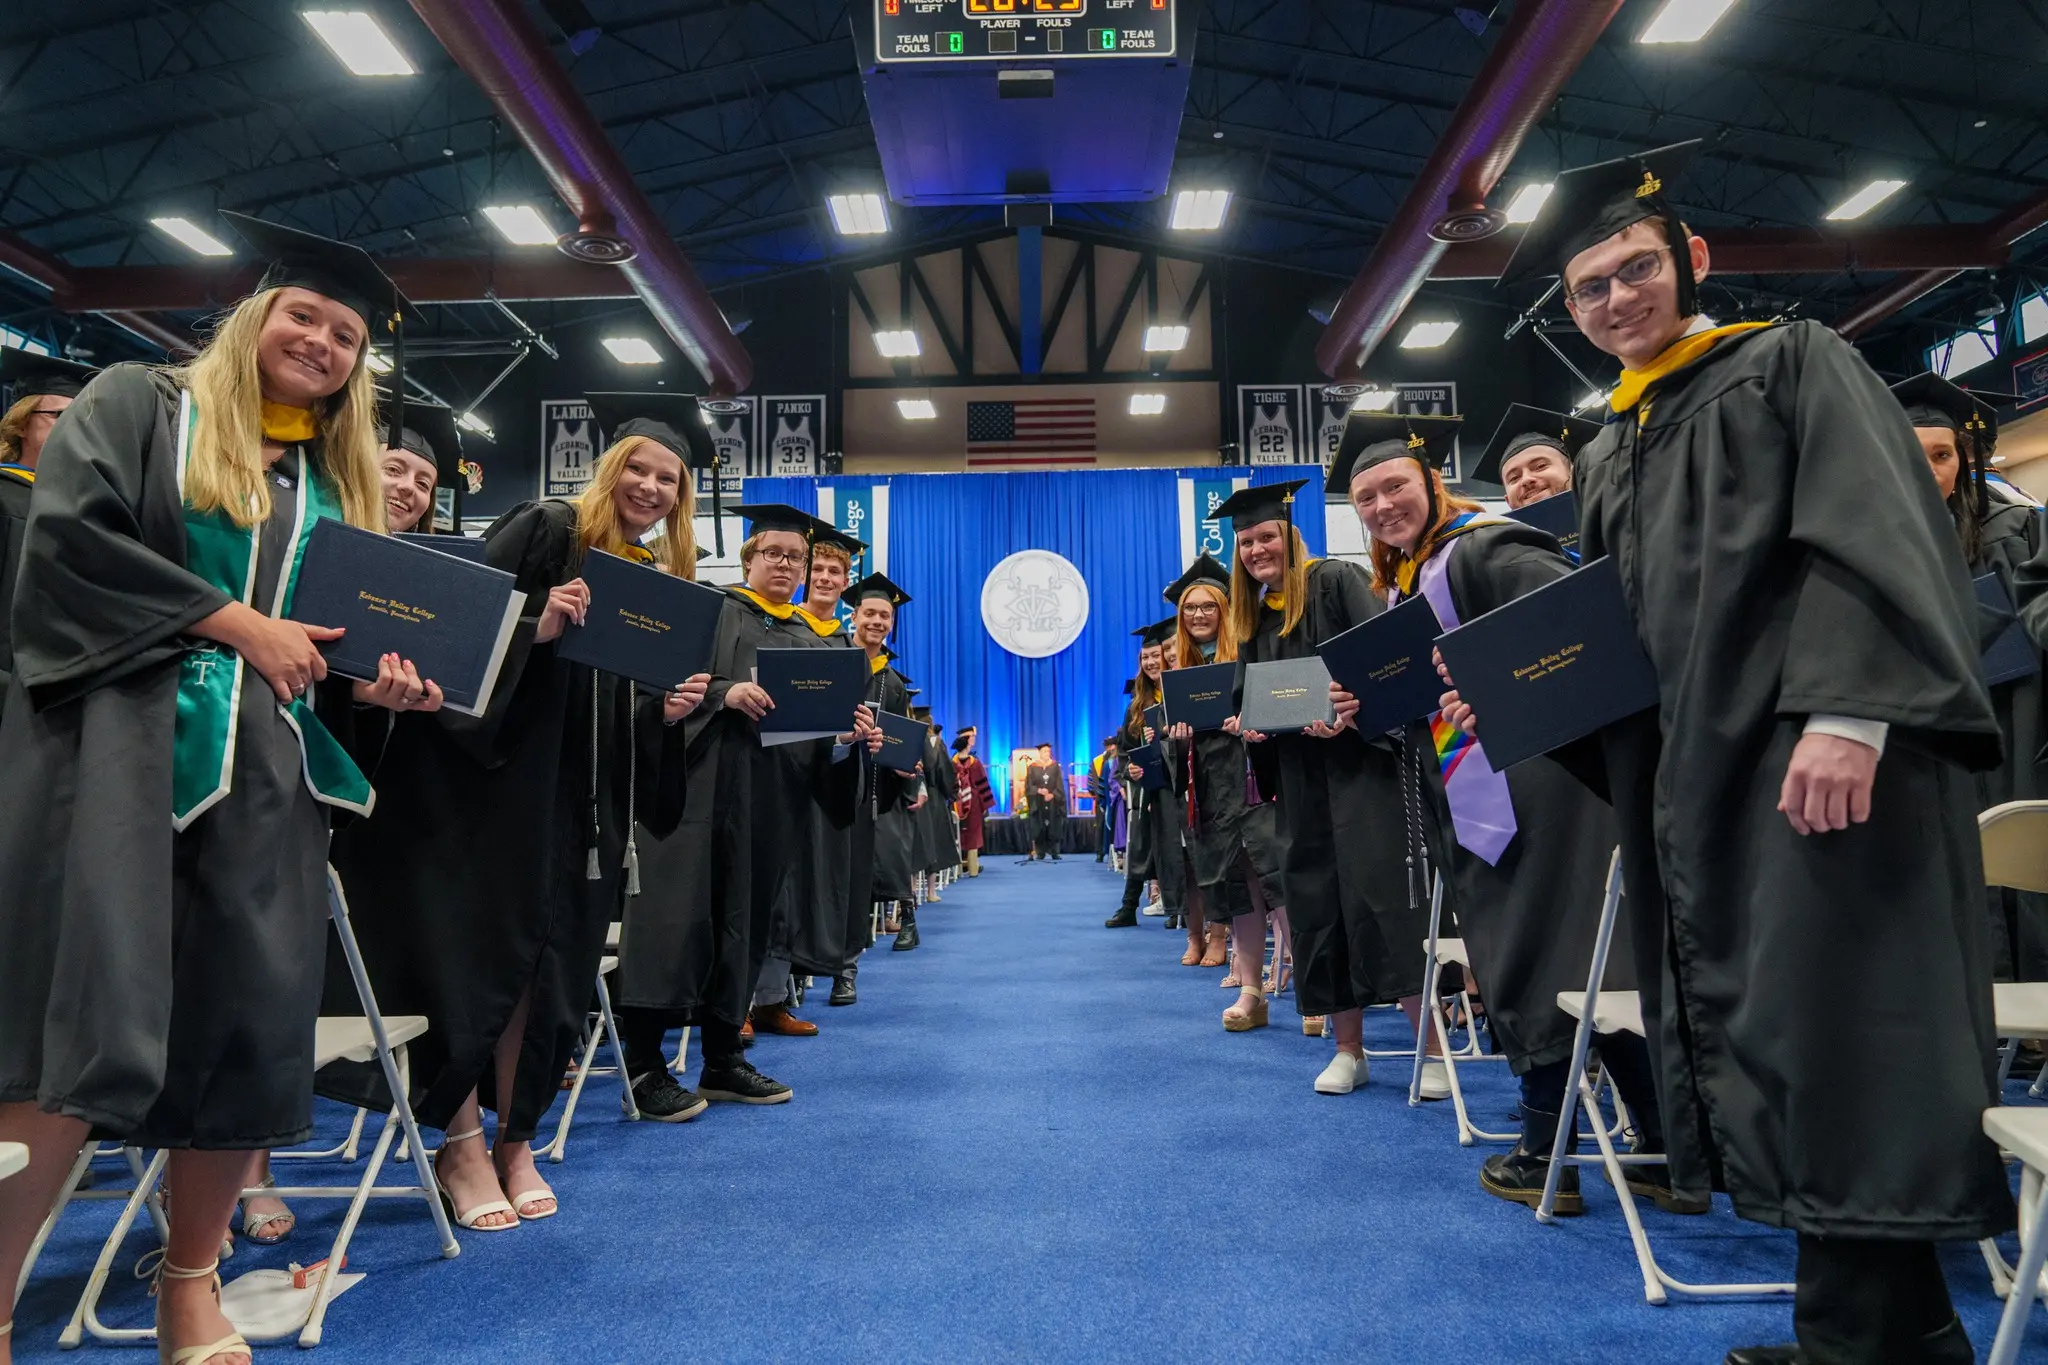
(1867, 732)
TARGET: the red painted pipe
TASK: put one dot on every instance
(505, 54)
(1998, 234)
(38, 266)
(1538, 50)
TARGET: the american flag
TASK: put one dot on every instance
(1031, 431)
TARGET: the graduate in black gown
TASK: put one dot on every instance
(942, 784)
(895, 874)
(170, 756)
(37, 389)
(1531, 453)
(875, 602)
(1233, 851)
(1957, 432)
(483, 891)
(1045, 793)
(1151, 819)
(1355, 897)
(1802, 800)
(1526, 851)
(426, 455)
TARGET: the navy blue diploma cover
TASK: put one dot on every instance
(453, 619)
(1557, 514)
(1551, 667)
(1201, 698)
(1285, 695)
(1385, 663)
(1155, 716)
(902, 741)
(1151, 763)
(643, 624)
(471, 548)
(2010, 655)
(815, 692)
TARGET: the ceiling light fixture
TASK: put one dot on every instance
(1199, 210)
(1147, 404)
(187, 233)
(1169, 337)
(378, 363)
(1865, 199)
(1530, 201)
(898, 345)
(362, 45)
(916, 409)
(1425, 336)
(1685, 21)
(469, 421)
(520, 224)
(858, 215)
(632, 350)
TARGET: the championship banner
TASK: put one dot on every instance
(792, 435)
(1269, 424)
(569, 447)
(1435, 400)
(735, 439)
(1201, 533)
(862, 511)
(1330, 405)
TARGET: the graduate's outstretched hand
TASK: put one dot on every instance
(749, 699)
(398, 687)
(1827, 783)
(1181, 731)
(1454, 709)
(286, 653)
(1346, 707)
(863, 727)
(686, 697)
(570, 602)
(1133, 771)
(922, 797)
(1231, 727)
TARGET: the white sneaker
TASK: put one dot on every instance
(1344, 1074)
(1155, 910)
(1436, 1081)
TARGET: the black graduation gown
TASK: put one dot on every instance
(1528, 921)
(1045, 816)
(15, 488)
(1820, 1006)
(812, 925)
(2019, 919)
(471, 881)
(1156, 828)
(881, 789)
(895, 868)
(161, 986)
(1341, 828)
(1227, 843)
(944, 784)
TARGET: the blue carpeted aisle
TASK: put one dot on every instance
(1031, 1140)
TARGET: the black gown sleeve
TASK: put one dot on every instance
(532, 543)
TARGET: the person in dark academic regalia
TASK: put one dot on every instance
(977, 802)
(1530, 455)
(942, 845)
(1355, 899)
(38, 388)
(1232, 848)
(1803, 795)
(426, 455)
(894, 883)
(875, 603)
(1158, 816)
(170, 755)
(483, 891)
(1527, 850)
(1045, 792)
(1957, 432)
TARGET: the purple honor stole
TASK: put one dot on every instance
(1482, 811)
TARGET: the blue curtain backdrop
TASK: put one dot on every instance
(1119, 527)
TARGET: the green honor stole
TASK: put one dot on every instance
(210, 677)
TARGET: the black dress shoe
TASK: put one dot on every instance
(1654, 1184)
(662, 1099)
(1763, 1355)
(1518, 1176)
(843, 992)
(739, 1083)
(906, 937)
(1122, 919)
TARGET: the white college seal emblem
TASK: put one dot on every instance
(1034, 603)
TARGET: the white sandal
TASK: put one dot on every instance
(466, 1218)
(525, 1197)
(232, 1344)
(254, 1224)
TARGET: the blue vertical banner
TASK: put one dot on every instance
(1200, 532)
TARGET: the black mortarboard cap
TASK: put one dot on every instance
(703, 554)
(1159, 632)
(1205, 569)
(828, 534)
(877, 585)
(1589, 204)
(668, 419)
(1525, 425)
(1248, 507)
(1130, 687)
(27, 375)
(1372, 438)
(780, 516)
(1931, 401)
(430, 433)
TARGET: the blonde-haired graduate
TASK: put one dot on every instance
(170, 758)
(483, 890)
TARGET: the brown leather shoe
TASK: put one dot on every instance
(778, 1020)
(747, 1030)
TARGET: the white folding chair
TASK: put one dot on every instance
(603, 1026)
(13, 1158)
(336, 1039)
(1615, 1012)
(2022, 1131)
(1438, 951)
(2014, 838)
(86, 1155)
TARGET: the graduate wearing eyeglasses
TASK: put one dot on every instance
(875, 602)
(38, 390)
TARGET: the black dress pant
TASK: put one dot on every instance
(642, 1032)
(1860, 1301)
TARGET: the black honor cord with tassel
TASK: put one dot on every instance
(632, 863)
(593, 870)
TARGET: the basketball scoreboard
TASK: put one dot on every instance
(1012, 30)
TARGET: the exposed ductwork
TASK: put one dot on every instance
(505, 54)
(1537, 53)
(39, 267)
(1998, 235)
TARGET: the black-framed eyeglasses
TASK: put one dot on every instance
(785, 558)
(1635, 272)
(1201, 609)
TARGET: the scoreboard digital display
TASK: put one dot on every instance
(1010, 30)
